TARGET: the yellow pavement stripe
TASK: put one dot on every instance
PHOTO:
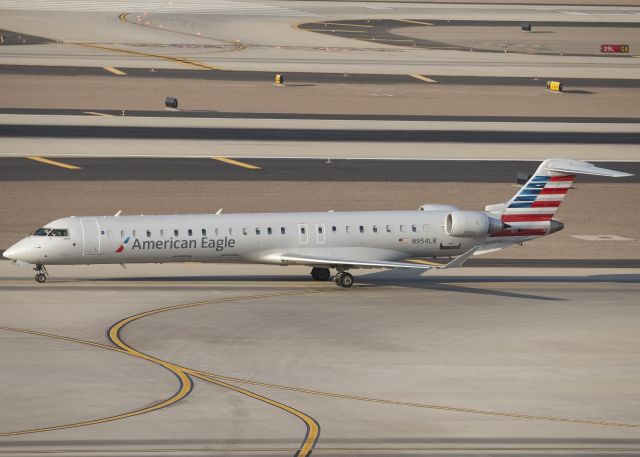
(313, 429)
(413, 22)
(237, 163)
(185, 389)
(94, 113)
(424, 78)
(178, 60)
(424, 405)
(53, 162)
(238, 46)
(345, 25)
(115, 71)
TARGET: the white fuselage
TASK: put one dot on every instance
(255, 238)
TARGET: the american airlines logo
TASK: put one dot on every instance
(219, 244)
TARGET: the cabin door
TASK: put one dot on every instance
(90, 236)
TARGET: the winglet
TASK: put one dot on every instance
(460, 260)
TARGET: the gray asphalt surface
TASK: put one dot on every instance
(285, 134)
(173, 169)
(323, 116)
(501, 33)
(293, 78)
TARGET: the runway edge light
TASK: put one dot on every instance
(526, 27)
(554, 86)
(279, 80)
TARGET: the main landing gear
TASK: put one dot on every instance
(41, 273)
(342, 278)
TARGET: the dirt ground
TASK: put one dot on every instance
(93, 93)
(590, 209)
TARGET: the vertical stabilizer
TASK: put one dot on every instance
(531, 210)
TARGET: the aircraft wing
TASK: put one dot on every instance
(312, 260)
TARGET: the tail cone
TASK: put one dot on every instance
(555, 226)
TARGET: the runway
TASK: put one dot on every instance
(283, 170)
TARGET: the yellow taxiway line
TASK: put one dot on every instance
(424, 78)
(178, 60)
(237, 163)
(344, 25)
(94, 113)
(413, 22)
(115, 71)
(54, 163)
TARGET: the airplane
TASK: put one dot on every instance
(341, 241)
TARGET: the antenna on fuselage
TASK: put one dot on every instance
(219, 212)
(118, 213)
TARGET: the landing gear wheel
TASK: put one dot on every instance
(320, 274)
(344, 279)
(41, 273)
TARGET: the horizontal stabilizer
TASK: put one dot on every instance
(568, 166)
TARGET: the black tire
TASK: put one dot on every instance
(323, 274)
(345, 280)
(314, 273)
(40, 277)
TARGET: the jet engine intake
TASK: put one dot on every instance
(471, 224)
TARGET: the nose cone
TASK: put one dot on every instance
(555, 227)
(18, 251)
(10, 253)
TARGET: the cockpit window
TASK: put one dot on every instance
(42, 232)
(59, 232)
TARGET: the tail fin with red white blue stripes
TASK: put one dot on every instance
(531, 210)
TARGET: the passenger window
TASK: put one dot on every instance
(303, 230)
(388, 228)
(204, 232)
(348, 229)
(148, 233)
(162, 233)
(414, 228)
(135, 233)
(121, 233)
(282, 231)
(217, 231)
(244, 231)
(403, 228)
(269, 232)
(362, 229)
(230, 231)
(334, 229)
(375, 229)
(175, 232)
(319, 229)
(190, 232)
(257, 231)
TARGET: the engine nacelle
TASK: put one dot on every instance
(471, 224)
(434, 207)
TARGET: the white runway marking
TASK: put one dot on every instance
(601, 237)
(223, 7)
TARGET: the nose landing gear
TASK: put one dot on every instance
(41, 273)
